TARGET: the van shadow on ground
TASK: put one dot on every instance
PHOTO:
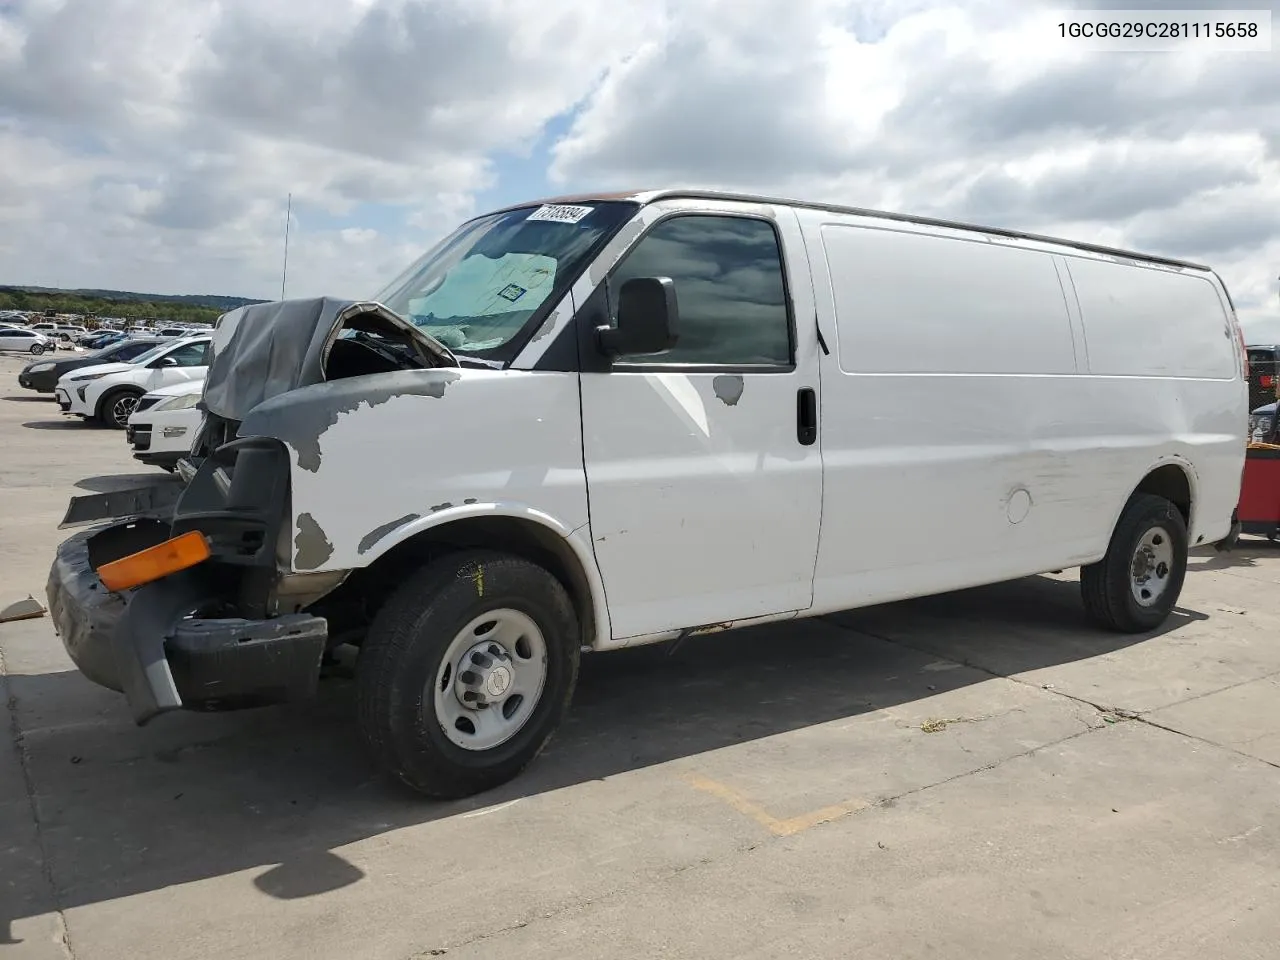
(126, 810)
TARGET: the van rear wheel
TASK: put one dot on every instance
(1135, 586)
(466, 672)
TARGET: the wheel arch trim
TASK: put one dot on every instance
(575, 545)
(1193, 485)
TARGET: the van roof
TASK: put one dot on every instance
(649, 196)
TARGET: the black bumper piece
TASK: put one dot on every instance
(148, 645)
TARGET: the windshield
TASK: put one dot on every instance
(499, 274)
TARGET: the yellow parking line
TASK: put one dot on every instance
(776, 826)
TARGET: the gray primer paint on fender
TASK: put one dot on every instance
(311, 544)
(301, 417)
(728, 387)
(377, 533)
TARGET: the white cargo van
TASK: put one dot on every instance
(613, 420)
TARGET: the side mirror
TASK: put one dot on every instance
(648, 318)
(165, 362)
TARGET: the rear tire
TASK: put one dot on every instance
(417, 670)
(1136, 585)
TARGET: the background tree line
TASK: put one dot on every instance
(127, 306)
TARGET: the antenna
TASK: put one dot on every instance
(284, 272)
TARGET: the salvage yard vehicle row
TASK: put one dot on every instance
(616, 420)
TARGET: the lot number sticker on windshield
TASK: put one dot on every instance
(560, 213)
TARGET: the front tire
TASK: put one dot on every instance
(37, 349)
(466, 672)
(116, 406)
(1136, 585)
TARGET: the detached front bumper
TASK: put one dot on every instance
(154, 645)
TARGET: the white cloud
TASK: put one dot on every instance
(150, 143)
(159, 138)
(975, 111)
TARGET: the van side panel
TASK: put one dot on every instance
(964, 440)
(1161, 356)
(1127, 308)
(943, 414)
(928, 305)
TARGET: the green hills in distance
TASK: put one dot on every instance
(177, 308)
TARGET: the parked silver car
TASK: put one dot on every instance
(24, 340)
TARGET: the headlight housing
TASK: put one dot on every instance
(86, 378)
(39, 367)
(184, 402)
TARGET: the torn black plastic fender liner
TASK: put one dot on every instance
(154, 500)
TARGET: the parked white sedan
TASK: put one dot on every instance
(164, 424)
(109, 392)
(25, 340)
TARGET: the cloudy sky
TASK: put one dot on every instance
(150, 144)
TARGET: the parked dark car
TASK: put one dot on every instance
(1264, 373)
(103, 339)
(1261, 420)
(42, 376)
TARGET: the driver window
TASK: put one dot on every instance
(729, 288)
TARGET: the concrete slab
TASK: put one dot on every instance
(1243, 718)
(1104, 845)
(1035, 630)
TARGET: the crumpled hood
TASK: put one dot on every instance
(263, 350)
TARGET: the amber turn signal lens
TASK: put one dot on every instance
(155, 562)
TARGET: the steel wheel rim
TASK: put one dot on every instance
(1152, 567)
(499, 660)
(123, 408)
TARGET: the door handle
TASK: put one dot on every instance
(806, 416)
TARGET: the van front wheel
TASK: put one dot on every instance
(1135, 586)
(466, 672)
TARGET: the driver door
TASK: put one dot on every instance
(704, 479)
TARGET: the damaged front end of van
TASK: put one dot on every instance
(184, 594)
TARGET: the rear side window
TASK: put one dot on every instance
(730, 289)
